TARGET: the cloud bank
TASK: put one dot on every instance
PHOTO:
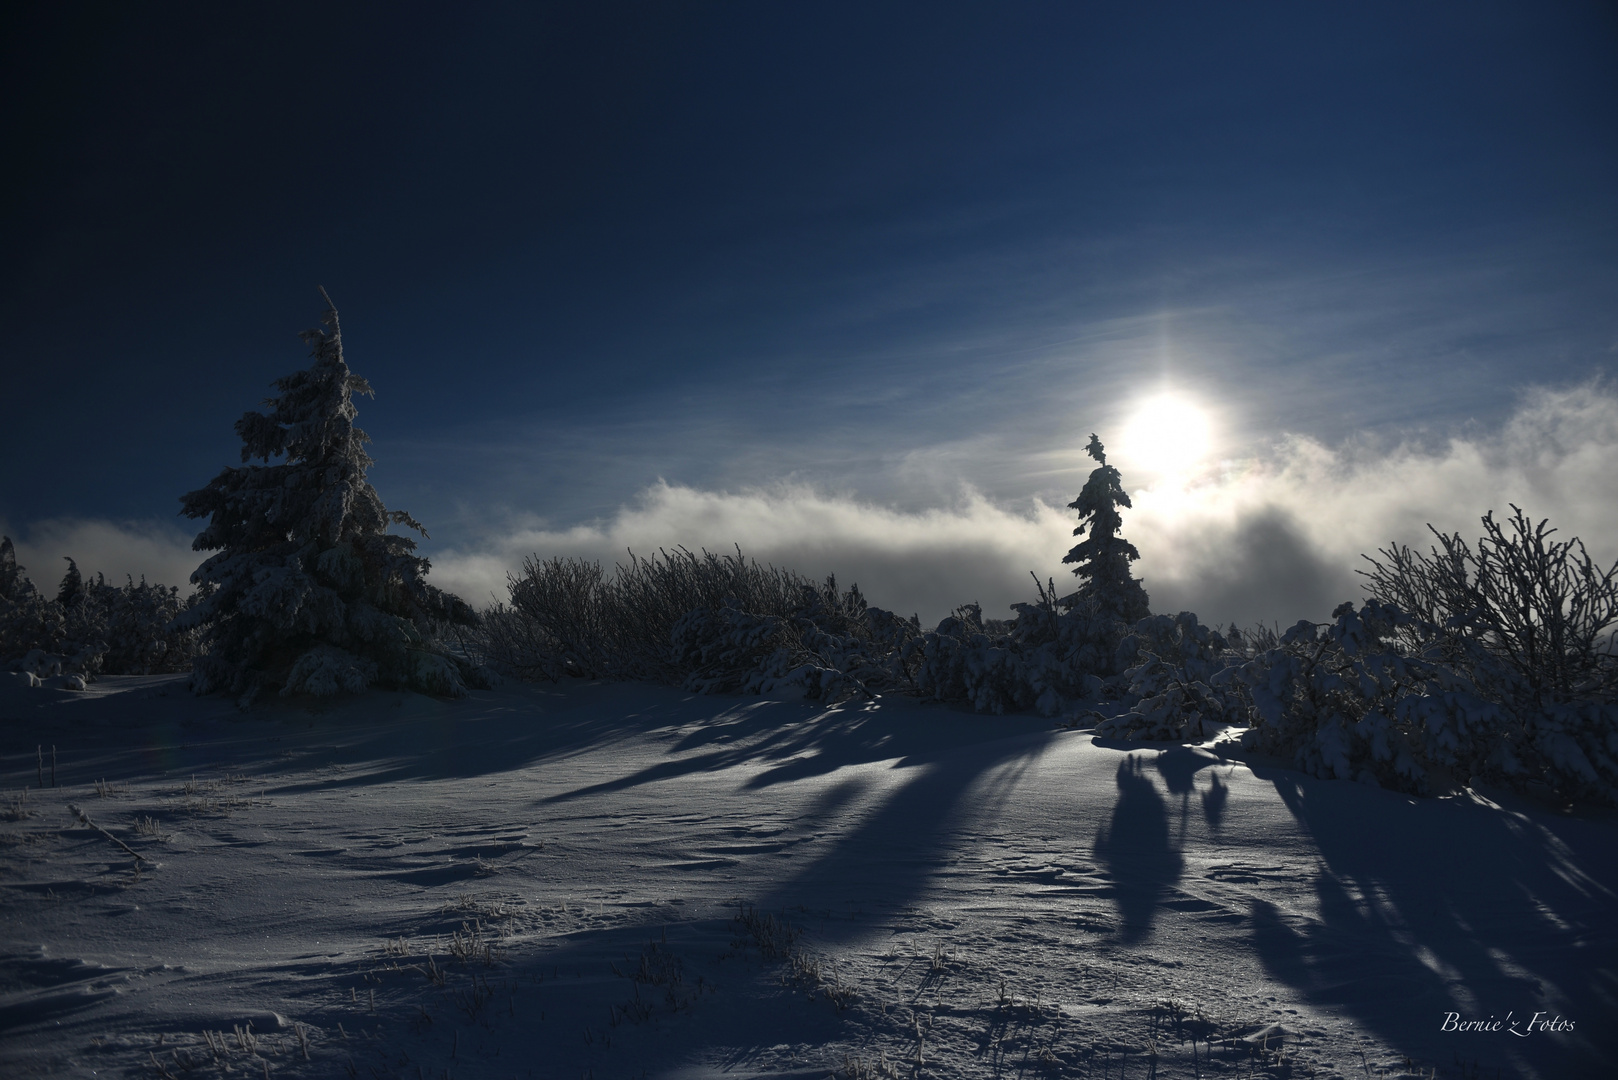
(159, 551)
(1272, 539)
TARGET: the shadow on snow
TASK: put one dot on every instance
(1436, 906)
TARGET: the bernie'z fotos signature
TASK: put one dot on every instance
(1521, 1029)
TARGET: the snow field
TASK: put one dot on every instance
(622, 880)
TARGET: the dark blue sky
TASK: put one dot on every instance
(883, 250)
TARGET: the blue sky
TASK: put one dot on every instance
(649, 274)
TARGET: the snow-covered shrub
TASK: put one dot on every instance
(1173, 662)
(90, 628)
(887, 636)
(824, 649)
(1543, 612)
(1495, 663)
(652, 595)
(38, 663)
(31, 626)
(1043, 659)
(1347, 700)
(132, 626)
(557, 622)
(307, 591)
(1571, 748)
(705, 621)
(964, 659)
(1529, 623)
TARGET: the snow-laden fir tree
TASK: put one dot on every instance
(308, 592)
(13, 585)
(30, 624)
(1101, 562)
(72, 587)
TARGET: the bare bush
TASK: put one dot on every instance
(1530, 618)
(567, 617)
(1495, 662)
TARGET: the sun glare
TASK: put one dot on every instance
(1167, 435)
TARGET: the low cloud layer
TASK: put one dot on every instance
(1270, 539)
(159, 551)
(925, 561)
(1279, 538)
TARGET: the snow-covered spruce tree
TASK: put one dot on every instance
(13, 585)
(1057, 651)
(1071, 648)
(31, 625)
(72, 588)
(310, 592)
(1101, 562)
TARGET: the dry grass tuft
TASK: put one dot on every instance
(469, 943)
(16, 808)
(777, 939)
(147, 826)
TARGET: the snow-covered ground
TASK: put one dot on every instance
(610, 881)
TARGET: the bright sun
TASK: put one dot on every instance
(1166, 434)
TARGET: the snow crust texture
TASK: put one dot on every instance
(622, 880)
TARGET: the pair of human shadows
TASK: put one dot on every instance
(1140, 852)
(1179, 766)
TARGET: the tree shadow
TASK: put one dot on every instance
(890, 855)
(942, 757)
(1427, 907)
(155, 725)
(818, 742)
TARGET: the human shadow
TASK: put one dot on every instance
(1140, 847)
(1179, 765)
(1431, 907)
(1137, 851)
